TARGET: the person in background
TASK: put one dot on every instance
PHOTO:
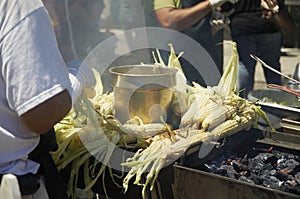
(83, 24)
(257, 27)
(36, 91)
(76, 24)
(130, 18)
(193, 18)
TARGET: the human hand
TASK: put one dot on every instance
(218, 20)
(269, 8)
(217, 3)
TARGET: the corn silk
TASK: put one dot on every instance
(201, 114)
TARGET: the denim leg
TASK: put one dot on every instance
(269, 52)
(246, 46)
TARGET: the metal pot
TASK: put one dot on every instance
(144, 91)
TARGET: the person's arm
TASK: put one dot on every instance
(180, 19)
(43, 117)
(37, 81)
(56, 107)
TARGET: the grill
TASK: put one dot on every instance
(192, 177)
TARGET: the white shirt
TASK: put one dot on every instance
(31, 71)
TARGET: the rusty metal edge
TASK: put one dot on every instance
(279, 193)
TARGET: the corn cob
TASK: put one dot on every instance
(205, 106)
(232, 126)
(194, 112)
(217, 117)
(208, 109)
(227, 83)
(145, 130)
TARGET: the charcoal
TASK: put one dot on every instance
(255, 165)
(272, 159)
(267, 168)
(296, 169)
(283, 176)
(290, 164)
(273, 172)
(291, 183)
(271, 182)
(245, 160)
(238, 166)
(210, 167)
(256, 179)
(297, 178)
(222, 159)
(266, 174)
(265, 156)
(231, 173)
(281, 183)
(216, 163)
(229, 161)
(245, 179)
(220, 171)
(245, 173)
(281, 155)
(292, 156)
(227, 170)
(281, 163)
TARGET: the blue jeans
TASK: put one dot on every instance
(267, 48)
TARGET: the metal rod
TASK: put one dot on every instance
(272, 69)
(284, 89)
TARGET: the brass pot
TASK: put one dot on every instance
(144, 91)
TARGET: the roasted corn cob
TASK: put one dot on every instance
(223, 113)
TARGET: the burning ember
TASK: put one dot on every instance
(266, 167)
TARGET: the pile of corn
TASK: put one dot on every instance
(204, 114)
(212, 113)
